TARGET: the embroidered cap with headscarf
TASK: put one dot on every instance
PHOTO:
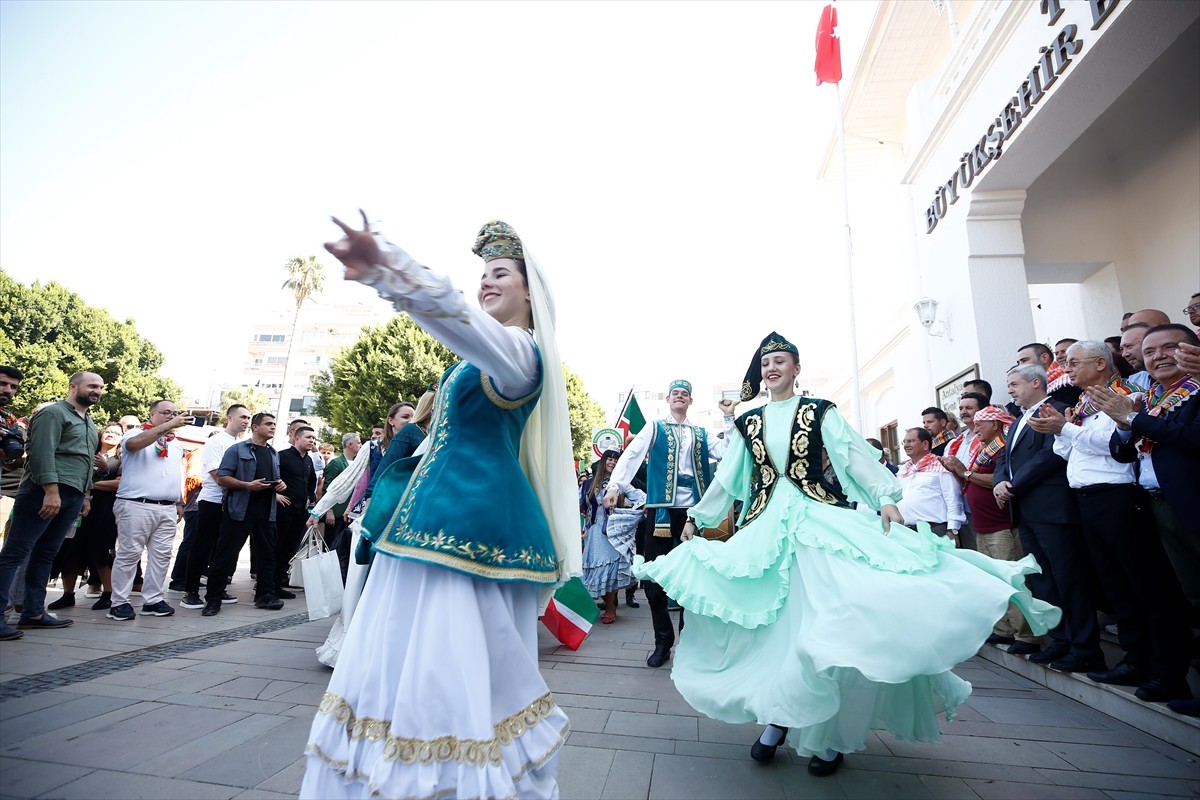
(546, 451)
(774, 343)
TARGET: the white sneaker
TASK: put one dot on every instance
(90, 592)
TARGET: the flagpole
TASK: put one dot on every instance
(624, 406)
(841, 128)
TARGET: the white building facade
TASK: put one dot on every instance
(323, 331)
(1037, 174)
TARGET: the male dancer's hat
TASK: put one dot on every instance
(680, 383)
(774, 343)
(497, 239)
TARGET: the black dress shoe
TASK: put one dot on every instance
(822, 768)
(66, 601)
(1052, 653)
(1123, 674)
(659, 657)
(1024, 648)
(1190, 708)
(630, 601)
(1077, 663)
(763, 753)
(1157, 690)
(996, 638)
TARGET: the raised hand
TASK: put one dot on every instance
(358, 251)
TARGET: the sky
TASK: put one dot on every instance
(164, 160)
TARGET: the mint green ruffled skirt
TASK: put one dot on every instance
(811, 619)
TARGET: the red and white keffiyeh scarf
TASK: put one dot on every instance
(929, 463)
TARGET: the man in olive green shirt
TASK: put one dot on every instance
(54, 493)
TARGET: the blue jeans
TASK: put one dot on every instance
(39, 540)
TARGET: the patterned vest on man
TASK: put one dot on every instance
(662, 473)
(803, 468)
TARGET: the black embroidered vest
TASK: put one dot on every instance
(803, 468)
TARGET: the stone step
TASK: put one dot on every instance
(1116, 701)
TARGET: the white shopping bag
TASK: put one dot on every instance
(309, 547)
(322, 579)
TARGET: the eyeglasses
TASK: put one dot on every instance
(1191, 308)
(168, 413)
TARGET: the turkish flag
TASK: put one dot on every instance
(829, 48)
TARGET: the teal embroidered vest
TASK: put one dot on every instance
(803, 466)
(662, 472)
(468, 505)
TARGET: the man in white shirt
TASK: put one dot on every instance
(962, 450)
(1119, 532)
(148, 509)
(208, 516)
(931, 492)
(678, 471)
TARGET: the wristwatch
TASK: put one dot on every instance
(1129, 417)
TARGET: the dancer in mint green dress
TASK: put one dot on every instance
(817, 620)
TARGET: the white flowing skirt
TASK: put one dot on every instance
(437, 693)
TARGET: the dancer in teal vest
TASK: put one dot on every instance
(678, 471)
(437, 691)
(815, 620)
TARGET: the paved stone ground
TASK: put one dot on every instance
(189, 707)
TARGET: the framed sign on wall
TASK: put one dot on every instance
(948, 391)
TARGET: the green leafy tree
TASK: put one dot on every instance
(398, 361)
(389, 363)
(50, 333)
(306, 277)
(585, 414)
(251, 397)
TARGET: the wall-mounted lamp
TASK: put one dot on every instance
(926, 309)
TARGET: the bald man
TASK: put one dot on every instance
(1150, 316)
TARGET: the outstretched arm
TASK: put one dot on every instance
(507, 355)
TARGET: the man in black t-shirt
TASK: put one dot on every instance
(300, 478)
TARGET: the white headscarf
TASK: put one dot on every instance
(546, 453)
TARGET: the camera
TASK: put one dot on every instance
(12, 443)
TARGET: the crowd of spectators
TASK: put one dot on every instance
(1091, 467)
(99, 501)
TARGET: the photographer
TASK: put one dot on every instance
(12, 438)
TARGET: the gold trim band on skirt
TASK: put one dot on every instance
(476, 752)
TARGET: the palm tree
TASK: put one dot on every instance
(306, 277)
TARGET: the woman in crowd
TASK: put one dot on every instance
(481, 534)
(95, 539)
(398, 416)
(607, 565)
(822, 622)
(407, 438)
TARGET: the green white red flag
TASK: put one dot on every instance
(571, 613)
(631, 420)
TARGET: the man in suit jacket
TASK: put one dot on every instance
(1031, 480)
(1161, 432)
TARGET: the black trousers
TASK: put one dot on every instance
(204, 545)
(179, 570)
(1121, 535)
(655, 546)
(289, 526)
(1064, 582)
(261, 532)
